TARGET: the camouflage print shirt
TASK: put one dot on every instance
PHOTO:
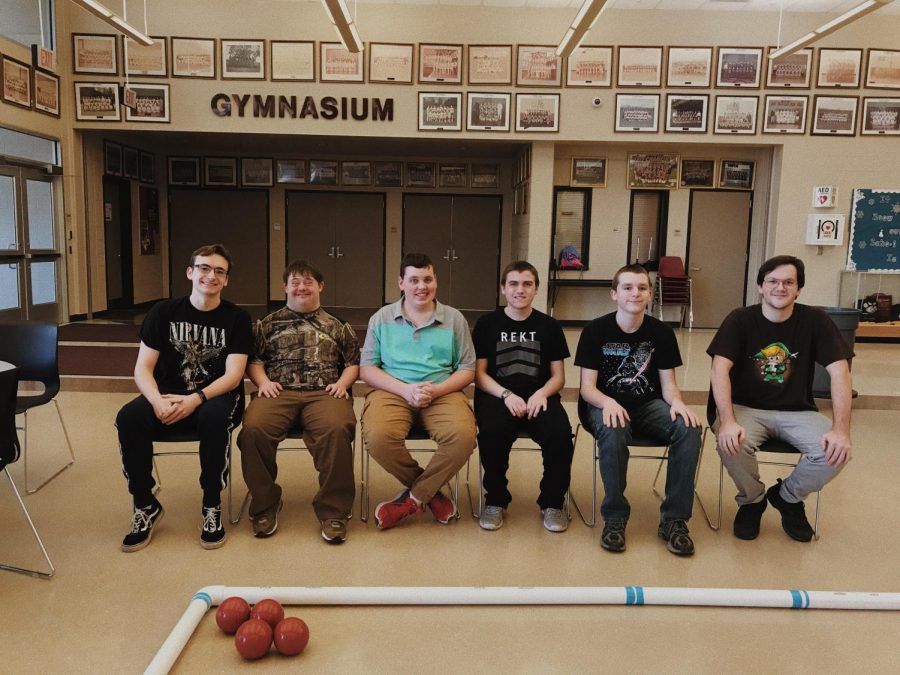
(305, 352)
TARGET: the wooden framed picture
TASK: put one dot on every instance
(640, 67)
(193, 57)
(687, 113)
(440, 63)
(538, 66)
(839, 68)
(97, 101)
(485, 176)
(440, 111)
(152, 103)
(148, 167)
(112, 158)
(339, 65)
(637, 112)
(793, 71)
(256, 172)
(292, 60)
(490, 64)
(420, 174)
(16, 82)
(452, 176)
(739, 67)
(46, 92)
(323, 172)
(290, 170)
(149, 61)
(220, 171)
(131, 163)
(652, 170)
(588, 172)
(736, 174)
(388, 174)
(590, 66)
(391, 63)
(881, 117)
(95, 54)
(785, 114)
(689, 67)
(243, 59)
(834, 116)
(736, 114)
(488, 111)
(537, 112)
(883, 69)
(356, 173)
(698, 173)
(184, 171)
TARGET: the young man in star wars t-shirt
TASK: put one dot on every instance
(762, 372)
(190, 371)
(519, 373)
(628, 362)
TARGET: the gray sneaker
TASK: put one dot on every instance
(555, 520)
(491, 518)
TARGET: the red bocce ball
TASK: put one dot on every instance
(253, 639)
(269, 611)
(291, 636)
(232, 612)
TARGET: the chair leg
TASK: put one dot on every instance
(475, 514)
(816, 523)
(23, 570)
(364, 485)
(29, 490)
(594, 469)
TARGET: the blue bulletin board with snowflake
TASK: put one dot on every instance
(874, 231)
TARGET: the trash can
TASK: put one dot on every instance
(846, 320)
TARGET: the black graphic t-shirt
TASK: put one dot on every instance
(519, 353)
(774, 362)
(628, 364)
(193, 345)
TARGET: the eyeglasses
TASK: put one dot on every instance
(220, 272)
(773, 283)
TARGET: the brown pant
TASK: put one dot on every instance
(387, 419)
(329, 427)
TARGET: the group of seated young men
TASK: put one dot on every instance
(419, 356)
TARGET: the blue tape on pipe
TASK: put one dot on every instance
(204, 597)
(629, 595)
(640, 595)
(796, 600)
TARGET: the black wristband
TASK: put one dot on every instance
(202, 396)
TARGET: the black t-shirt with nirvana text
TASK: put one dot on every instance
(193, 345)
(774, 362)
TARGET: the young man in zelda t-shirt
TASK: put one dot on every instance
(628, 362)
(519, 372)
(763, 364)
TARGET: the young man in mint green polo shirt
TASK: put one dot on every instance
(418, 357)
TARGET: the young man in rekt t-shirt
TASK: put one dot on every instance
(628, 362)
(762, 372)
(519, 372)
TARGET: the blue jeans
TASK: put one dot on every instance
(651, 419)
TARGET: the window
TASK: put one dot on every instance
(647, 229)
(28, 23)
(571, 228)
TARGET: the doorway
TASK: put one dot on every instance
(117, 231)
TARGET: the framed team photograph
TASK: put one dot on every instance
(388, 174)
(151, 103)
(488, 111)
(739, 67)
(356, 173)
(736, 174)
(220, 171)
(640, 67)
(440, 111)
(131, 163)
(785, 114)
(537, 112)
(95, 54)
(793, 71)
(323, 172)
(656, 170)
(588, 172)
(338, 65)
(839, 68)
(834, 116)
(257, 172)
(290, 170)
(16, 82)
(687, 113)
(291, 60)
(391, 63)
(97, 102)
(736, 114)
(184, 171)
(46, 92)
(590, 66)
(149, 61)
(243, 59)
(112, 158)
(883, 69)
(698, 173)
(538, 66)
(637, 112)
(148, 167)
(485, 176)
(689, 67)
(881, 117)
(452, 176)
(193, 57)
(420, 174)
(490, 64)
(440, 64)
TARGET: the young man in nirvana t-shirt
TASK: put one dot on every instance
(189, 371)
(762, 372)
(519, 373)
(628, 362)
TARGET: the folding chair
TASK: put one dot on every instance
(674, 287)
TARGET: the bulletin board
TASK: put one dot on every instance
(874, 231)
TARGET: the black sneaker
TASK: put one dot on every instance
(142, 523)
(678, 539)
(212, 532)
(746, 521)
(613, 536)
(793, 515)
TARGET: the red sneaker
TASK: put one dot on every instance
(443, 508)
(389, 514)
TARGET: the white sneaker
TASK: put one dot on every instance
(555, 520)
(491, 518)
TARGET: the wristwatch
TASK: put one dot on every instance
(202, 396)
(505, 394)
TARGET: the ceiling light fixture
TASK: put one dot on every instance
(105, 14)
(583, 22)
(343, 25)
(828, 28)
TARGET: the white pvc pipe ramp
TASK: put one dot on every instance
(509, 595)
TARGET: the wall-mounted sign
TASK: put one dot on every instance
(824, 196)
(825, 229)
(326, 107)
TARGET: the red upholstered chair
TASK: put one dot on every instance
(673, 288)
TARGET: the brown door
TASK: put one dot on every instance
(717, 253)
(427, 223)
(475, 252)
(117, 231)
(310, 220)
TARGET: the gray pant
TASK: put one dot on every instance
(802, 429)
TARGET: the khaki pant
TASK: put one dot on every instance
(387, 419)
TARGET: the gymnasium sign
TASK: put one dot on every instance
(308, 107)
